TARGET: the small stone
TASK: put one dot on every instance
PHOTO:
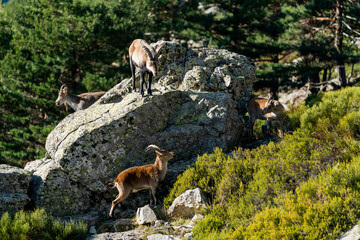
(92, 230)
(195, 219)
(145, 215)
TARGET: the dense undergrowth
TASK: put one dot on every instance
(38, 225)
(306, 186)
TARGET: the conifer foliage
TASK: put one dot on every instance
(47, 43)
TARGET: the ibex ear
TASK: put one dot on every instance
(65, 89)
(159, 153)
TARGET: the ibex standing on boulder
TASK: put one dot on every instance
(264, 109)
(141, 177)
(143, 56)
(77, 102)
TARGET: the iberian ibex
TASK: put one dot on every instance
(141, 177)
(77, 102)
(264, 109)
(142, 56)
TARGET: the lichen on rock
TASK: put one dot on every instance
(13, 188)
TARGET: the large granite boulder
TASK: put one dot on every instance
(13, 188)
(184, 206)
(189, 113)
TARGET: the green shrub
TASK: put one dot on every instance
(303, 187)
(38, 225)
(320, 208)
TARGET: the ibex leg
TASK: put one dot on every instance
(149, 84)
(133, 75)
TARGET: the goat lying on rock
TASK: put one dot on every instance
(77, 102)
(141, 177)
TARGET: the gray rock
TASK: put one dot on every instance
(161, 237)
(195, 219)
(33, 166)
(295, 97)
(145, 215)
(352, 234)
(130, 235)
(122, 225)
(13, 202)
(13, 188)
(184, 205)
(90, 147)
(66, 198)
(90, 218)
(14, 179)
(119, 225)
(92, 230)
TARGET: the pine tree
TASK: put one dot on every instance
(46, 43)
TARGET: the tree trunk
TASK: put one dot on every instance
(324, 77)
(340, 65)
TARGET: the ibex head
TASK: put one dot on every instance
(272, 106)
(151, 65)
(151, 61)
(63, 92)
(163, 154)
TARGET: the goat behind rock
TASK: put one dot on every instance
(141, 177)
(77, 102)
(264, 109)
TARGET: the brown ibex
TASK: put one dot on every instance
(77, 102)
(142, 56)
(264, 109)
(141, 177)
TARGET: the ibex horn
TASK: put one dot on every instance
(155, 148)
(148, 52)
(62, 87)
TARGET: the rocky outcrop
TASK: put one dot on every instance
(195, 107)
(184, 205)
(13, 188)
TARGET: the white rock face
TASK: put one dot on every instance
(353, 234)
(145, 215)
(184, 205)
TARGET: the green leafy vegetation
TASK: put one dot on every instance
(38, 225)
(303, 187)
